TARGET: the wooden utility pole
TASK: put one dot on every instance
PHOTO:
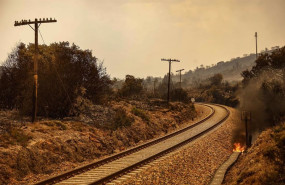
(154, 81)
(37, 24)
(256, 45)
(169, 60)
(180, 76)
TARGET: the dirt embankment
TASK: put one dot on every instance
(263, 163)
(32, 152)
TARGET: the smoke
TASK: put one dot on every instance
(264, 97)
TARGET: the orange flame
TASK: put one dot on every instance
(238, 147)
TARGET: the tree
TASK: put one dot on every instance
(216, 79)
(263, 90)
(131, 87)
(63, 71)
(270, 63)
(163, 86)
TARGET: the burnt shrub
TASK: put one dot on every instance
(132, 87)
(121, 119)
(14, 136)
(180, 95)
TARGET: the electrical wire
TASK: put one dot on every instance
(61, 81)
(42, 36)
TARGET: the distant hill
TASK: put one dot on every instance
(231, 70)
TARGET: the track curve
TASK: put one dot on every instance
(114, 166)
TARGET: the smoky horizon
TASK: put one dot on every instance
(131, 37)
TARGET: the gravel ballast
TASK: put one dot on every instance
(195, 163)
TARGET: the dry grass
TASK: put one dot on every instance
(57, 145)
(263, 163)
(14, 136)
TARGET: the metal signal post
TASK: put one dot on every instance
(169, 60)
(246, 116)
(37, 24)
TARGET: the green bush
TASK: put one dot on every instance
(140, 113)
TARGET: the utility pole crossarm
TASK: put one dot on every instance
(36, 23)
(168, 89)
(170, 60)
(180, 70)
(26, 22)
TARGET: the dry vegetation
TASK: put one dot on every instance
(263, 163)
(30, 152)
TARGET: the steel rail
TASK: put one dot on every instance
(114, 157)
(160, 154)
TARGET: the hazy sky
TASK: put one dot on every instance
(131, 36)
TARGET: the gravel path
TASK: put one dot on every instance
(195, 163)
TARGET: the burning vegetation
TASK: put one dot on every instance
(262, 100)
(262, 96)
(263, 163)
(238, 147)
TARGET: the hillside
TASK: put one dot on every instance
(30, 152)
(263, 163)
(231, 70)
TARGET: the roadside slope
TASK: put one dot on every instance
(33, 152)
(263, 163)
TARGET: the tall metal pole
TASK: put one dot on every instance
(256, 45)
(168, 90)
(37, 24)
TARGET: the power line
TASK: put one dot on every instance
(169, 60)
(62, 84)
(58, 76)
(37, 23)
(180, 76)
(42, 36)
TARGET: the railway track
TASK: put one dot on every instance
(110, 168)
